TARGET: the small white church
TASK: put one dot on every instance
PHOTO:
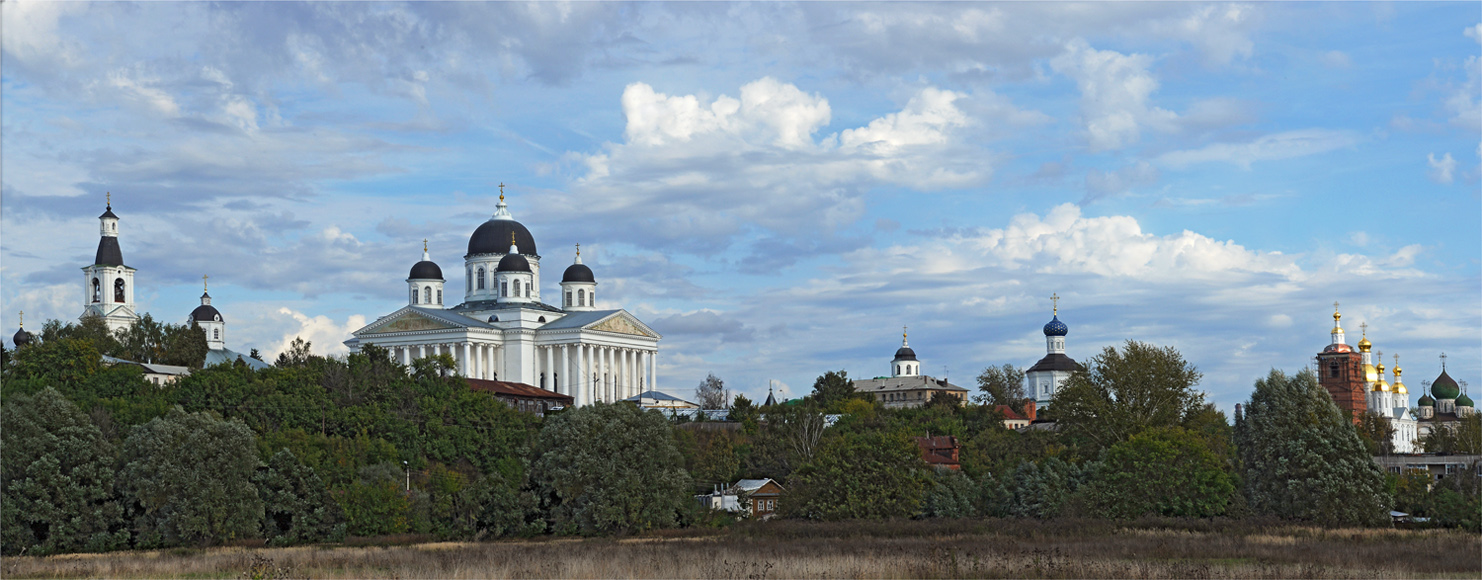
(504, 331)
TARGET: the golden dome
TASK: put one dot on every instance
(1371, 374)
(1381, 385)
(1399, 386)
(1364, 344)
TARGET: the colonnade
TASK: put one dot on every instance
(602, 373)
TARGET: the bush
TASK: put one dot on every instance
(187, 479)
(1162, 472)
(297, 507)
(858, 475)
(951, 495)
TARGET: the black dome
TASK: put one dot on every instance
(513, 263)
(578, 273)
(206, 313)
(426, 270)
(108, 252)
(493, 236)
(21, 337)
(905, 353)
(108, 213)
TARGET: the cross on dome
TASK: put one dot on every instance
(1443, 361)
(1055, 299)
(204, 280)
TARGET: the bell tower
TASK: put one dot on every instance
(1340, 371)
(108, 285)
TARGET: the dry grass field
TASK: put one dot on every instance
(899, 549)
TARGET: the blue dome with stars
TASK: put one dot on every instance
(1056, 328)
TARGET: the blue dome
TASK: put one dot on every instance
(1056, 328)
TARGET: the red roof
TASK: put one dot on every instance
(515, 390)
(1008, 413)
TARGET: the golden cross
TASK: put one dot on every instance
(1056, 299)
(23, 317)
(1365, 327)
(108, 196)
(501, 191)
(903, 333)
(578, 249)
(204, 280)
(424, 244)
(512, 238)
(1397, 361)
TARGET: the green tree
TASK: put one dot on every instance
(858, 475)
(187, 346)
(950, 494)
(187, 479)
(1045, 489)
(1164, 471)
(1303, 460)
(1461, 437)
(494, 508)
(717, 462)
(1002, 386)
(1377, 433)
(63, 361)
(56, 477)
(1120, 393)
(297, 506)
(832, 388)
(609, 469)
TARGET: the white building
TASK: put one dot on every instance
(108, 285)
(1043, 379)
(1390, 402)
(503, 331)
(906, 386)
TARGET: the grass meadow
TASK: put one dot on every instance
(976, 548)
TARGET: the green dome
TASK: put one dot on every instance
(1427, 401)
(1464, 401)
(1445, 387)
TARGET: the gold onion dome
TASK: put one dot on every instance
(1381, 385)
(1400, 385)
(1364, 344)
(1371, 374)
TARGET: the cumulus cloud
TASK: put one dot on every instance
(1441, 170)
(698, 168)
(1285, 145)
(326, 337)
(1114, 94)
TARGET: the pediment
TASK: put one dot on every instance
(623, 323)
(409, 321)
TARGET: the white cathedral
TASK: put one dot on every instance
(503, 331)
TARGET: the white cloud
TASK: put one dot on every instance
(1441, 170)
(1101, 184)
(1114, 94)
(1272, 147)
(326, 337)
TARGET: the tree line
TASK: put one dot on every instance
(314, 449)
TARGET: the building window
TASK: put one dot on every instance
(216, 334)
(481, 278)
(97, 291)
(517, 288)
(503, 289)
(1333, 369)
(439, 296)
(427, 294)
(118, 290)
(528, 293)
(568, 298)
(581, 297)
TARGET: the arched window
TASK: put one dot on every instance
(517, 288)
(581, 297)
(1333, 369)
(481, 278)
(427, 294)
(504, 289)
(97, 291)
(118, 290)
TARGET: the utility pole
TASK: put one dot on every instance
(408, 469)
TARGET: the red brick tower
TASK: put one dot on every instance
(1340, 371)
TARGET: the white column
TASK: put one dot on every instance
(464, 366)
(579, 386)
(565, 386)
(630, 361)
(653, 371)
(550, 368)
(604, 359)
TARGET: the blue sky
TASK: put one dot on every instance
(777, 188)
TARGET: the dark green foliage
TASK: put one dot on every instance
(56, 477)
(187, 479)
(858, 475)
(62, 361)
(1165, 471)
(1462, 437)
(297, 506)
(1377, 433)
(609, 469)
(1303, 460)
(491, 508)
(375, 508)
(745, 412)
(832, 388)
(1048, 488)
(1002, 386)
(999, 451)
(950, 494)
(187, 346)
(1120, 393)
(716, 461)
(1456, 500)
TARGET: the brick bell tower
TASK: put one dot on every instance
(1340, 371)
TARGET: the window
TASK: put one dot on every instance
(568, 298)
(97, 291)
(118, 290)
(528, 293)
(1333, 369)
(439, 296)
(581, 297)
(216, 334)
(481, 278)
(503, 289)
(427, 294)
(517, 288)
(414, 296)
(468, 279)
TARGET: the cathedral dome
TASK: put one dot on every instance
(1056, 328)
(514, 263)
(1463, 400)
(905, 353)
(1427, 401)
(21, 338)
(578, 273)
(205, 313)
(426, 270)
(493, 237)
(1445, 387)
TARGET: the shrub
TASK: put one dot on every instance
(1164, 472)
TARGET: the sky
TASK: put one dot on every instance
(776, 188)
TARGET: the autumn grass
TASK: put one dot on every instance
(975, 548)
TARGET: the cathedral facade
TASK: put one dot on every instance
(503, 330)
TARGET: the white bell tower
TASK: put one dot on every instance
(108, 285)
